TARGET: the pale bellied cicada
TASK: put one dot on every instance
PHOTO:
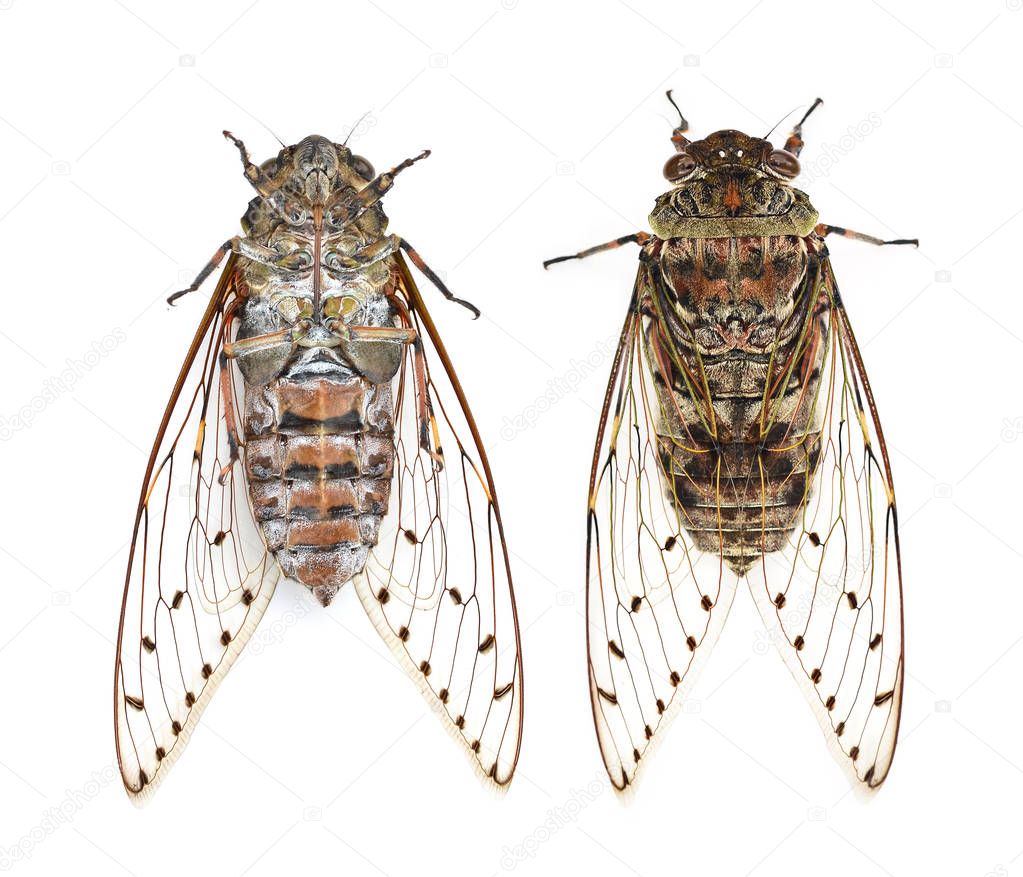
(316, 429)
(739, 440)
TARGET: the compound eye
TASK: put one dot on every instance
(362, 167)
(783, 163)
(678, 167)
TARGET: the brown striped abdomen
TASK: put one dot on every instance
(319, 455)
(741, 474)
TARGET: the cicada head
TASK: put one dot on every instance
(321, 168)
(315, 172)
(317, 169)
(730, 184)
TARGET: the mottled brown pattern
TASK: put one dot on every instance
(712, 278)
(741, 470)
(319, 457)
(320, 405)
(731, 196)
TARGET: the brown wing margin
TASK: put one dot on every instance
(438, 586)
(839, 627)
(199, 576)
(655, 604)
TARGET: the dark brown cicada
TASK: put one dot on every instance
(739, 440)
(316, 429)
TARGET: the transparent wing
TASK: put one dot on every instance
(655, 603)
(832, 597)
(438, 585)
(199, 576)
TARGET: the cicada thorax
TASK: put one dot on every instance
(738, 352)
(318, 419)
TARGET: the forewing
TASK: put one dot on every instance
(438, 585)
(199, 576)
(832, 598)
(655, 603)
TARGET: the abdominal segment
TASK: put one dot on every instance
(319, 455)
(738, 385)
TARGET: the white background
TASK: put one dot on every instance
(549, 130)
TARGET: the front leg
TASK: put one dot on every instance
(247, 249)
(344, 212)
(823, 230)
(639, 237)
(417, 260)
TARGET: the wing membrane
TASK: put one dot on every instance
(839, 625)
(655, 603)
(438, 585)
(199, 576)
(830, 592)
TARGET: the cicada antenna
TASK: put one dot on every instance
(678, 134)
(354, 127)
(274, 133)
(774, 127)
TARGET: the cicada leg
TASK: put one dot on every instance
(344, 213)
(263, 184)
(424, 405)
(379, 249)
(417, 260)
(678, 136)
(640, 237)
(823, 230)
(207, 270)
(247, 249)
(227, 393)
(794, 142)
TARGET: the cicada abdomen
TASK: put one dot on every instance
(739, 440)
(318, 421)
(317, 429)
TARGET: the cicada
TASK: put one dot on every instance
(739, 440)
(316, 431)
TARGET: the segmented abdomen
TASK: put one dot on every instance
(740, 468)
(319, 456)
